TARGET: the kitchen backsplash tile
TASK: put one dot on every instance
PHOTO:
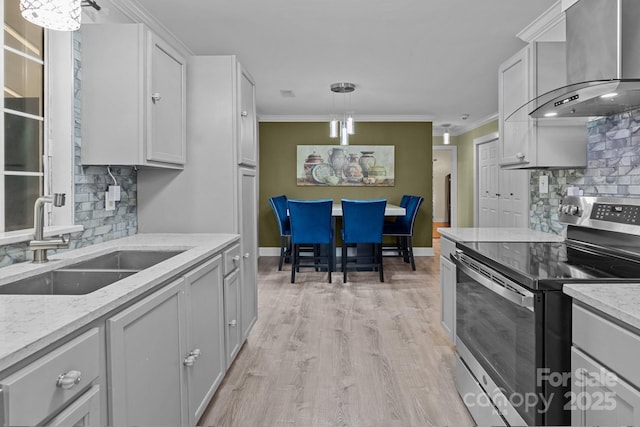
(91, 182)
(613, 169)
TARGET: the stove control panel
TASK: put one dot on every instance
(601, 212)
(620, 213)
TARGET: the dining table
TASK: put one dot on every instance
(389, 210)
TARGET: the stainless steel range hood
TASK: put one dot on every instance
(603, 62)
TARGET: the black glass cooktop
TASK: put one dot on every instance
(547, 264)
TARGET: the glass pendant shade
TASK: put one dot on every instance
(61, 15)
(333, 128)
(350, 127)
(344, 135)
(445, 137)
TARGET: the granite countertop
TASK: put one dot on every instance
(29, 323)
(498, 234)
(621, 301)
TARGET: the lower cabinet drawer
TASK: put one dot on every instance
(231, 259)
(46, 385)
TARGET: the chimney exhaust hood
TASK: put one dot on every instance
(603, 62)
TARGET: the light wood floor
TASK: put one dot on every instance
(361, 354)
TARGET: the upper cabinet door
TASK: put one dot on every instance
(166, 99)
(248, 141)
(513, 92)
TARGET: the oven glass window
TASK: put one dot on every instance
(501, 336)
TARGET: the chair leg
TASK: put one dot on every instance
(329, 258)
(294, 262)
(344, 263)
(410, 252)
(282, 252)
(378, 252)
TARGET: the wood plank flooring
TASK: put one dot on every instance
(361, 354)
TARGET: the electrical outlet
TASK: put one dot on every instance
(109, 204)
(114, 192)
(543, 184)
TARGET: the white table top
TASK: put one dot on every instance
(390, 210)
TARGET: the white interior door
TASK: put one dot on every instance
(502, 195)
(488, 186)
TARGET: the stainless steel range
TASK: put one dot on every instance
(513, 321)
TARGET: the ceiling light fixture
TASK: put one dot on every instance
(445, 135)
(60, 15)
(346, 125)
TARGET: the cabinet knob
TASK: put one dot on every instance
(244, 114)
(236, 258)
(155, 97)
(191, 358)
(246, 256)
(520, 156)
(68, 379)
(497, 194)
(233, 323)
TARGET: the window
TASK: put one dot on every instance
(22, 169)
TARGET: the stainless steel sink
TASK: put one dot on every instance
(130, 260)
(64, 282)
(87, 276)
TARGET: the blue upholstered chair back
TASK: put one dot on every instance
(404, 200)
(404, 224)
(311, 221)
(279, 206)
(362, 220)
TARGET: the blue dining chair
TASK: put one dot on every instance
(311, 224)
(402, 230)
(362, 222)
(279, 206)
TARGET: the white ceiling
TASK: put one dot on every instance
(410, 59)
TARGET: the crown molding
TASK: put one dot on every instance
(545, 27)
(358, 118)
(138, 14)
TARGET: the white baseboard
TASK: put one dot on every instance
(416, 251)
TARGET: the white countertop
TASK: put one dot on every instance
(29, 323)
(498, 234)
(621, 301)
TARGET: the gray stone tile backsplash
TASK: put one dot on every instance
(613, 169)
(90, 184)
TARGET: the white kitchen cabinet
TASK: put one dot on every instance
(447, 288)
(146, 348)
(232, 313)
(52, 383)
(133, 98)
(205, 359)
(536, 143)
(249, 249)
(605, 384)
(217, 190)
(83, 412)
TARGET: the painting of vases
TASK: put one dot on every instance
(351, 165)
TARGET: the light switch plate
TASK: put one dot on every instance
(544, 184)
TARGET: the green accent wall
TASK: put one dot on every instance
(277, 169)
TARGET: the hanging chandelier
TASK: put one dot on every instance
(61, 15)
(344, 127)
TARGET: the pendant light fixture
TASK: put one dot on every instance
(60, 15)
(346, 125)
(445, 135)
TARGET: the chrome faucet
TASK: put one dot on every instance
(39, 245)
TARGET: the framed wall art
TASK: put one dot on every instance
(346, 165)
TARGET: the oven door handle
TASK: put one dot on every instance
(522, 298)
